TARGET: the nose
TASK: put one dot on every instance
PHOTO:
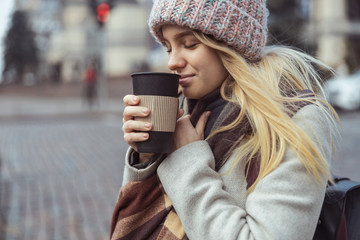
(176, 61)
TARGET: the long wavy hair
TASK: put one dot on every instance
(261, 90)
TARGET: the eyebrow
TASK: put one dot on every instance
(182, 34)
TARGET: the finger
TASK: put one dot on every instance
(184, 122)
(135, 111)
(185, 132)
(131, 100)
(200, 126)
(185, 116)
(133, 137)
(131, 126)
(183, 119)
(180, 113)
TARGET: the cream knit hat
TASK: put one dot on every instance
(241, 24)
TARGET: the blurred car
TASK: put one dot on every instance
(344, 92)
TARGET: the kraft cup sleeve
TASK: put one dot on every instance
(163, 112)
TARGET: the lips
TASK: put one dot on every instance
(185, 78)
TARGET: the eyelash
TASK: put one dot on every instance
(191, 45)
(186, 46)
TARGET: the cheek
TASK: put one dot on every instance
(213, 72)
(216, 72)
(213, 62)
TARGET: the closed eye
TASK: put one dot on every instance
(191, 45)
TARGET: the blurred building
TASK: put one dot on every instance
(120, 45)
(69, 37)
(44, 18)
(335, 29)
(127, 39)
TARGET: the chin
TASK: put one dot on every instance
(190, 95)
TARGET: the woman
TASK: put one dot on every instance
(252, 150)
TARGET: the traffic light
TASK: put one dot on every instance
(102, 12)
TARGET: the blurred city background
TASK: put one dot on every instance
(64, 69)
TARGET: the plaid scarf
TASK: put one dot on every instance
(143, 209)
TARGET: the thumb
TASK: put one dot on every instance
(200, 126)
(180, 113)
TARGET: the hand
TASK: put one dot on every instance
(185, 133)
(135, 131)
(131, 127)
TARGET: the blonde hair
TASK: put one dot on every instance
(261, 91)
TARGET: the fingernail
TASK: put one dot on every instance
(147, 125)
(145, 110)
(146, 136)
(135, 99)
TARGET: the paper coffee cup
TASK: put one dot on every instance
(159, 93)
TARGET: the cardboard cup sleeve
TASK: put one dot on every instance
(163, 112)
(158, 92)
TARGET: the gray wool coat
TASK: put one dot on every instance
(213, 205)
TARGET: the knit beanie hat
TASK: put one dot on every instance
(241, 24)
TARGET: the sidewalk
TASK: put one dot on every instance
(45, 100)
(60, 162)
(59, 177)
(16, 106)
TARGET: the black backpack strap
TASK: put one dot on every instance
(340, 213)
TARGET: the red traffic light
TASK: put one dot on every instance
(102, 11)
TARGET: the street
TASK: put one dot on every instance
(60, 177)
(347, 162)
(60, 163)
(61, 169)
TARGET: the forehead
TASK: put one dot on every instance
(173, 32)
